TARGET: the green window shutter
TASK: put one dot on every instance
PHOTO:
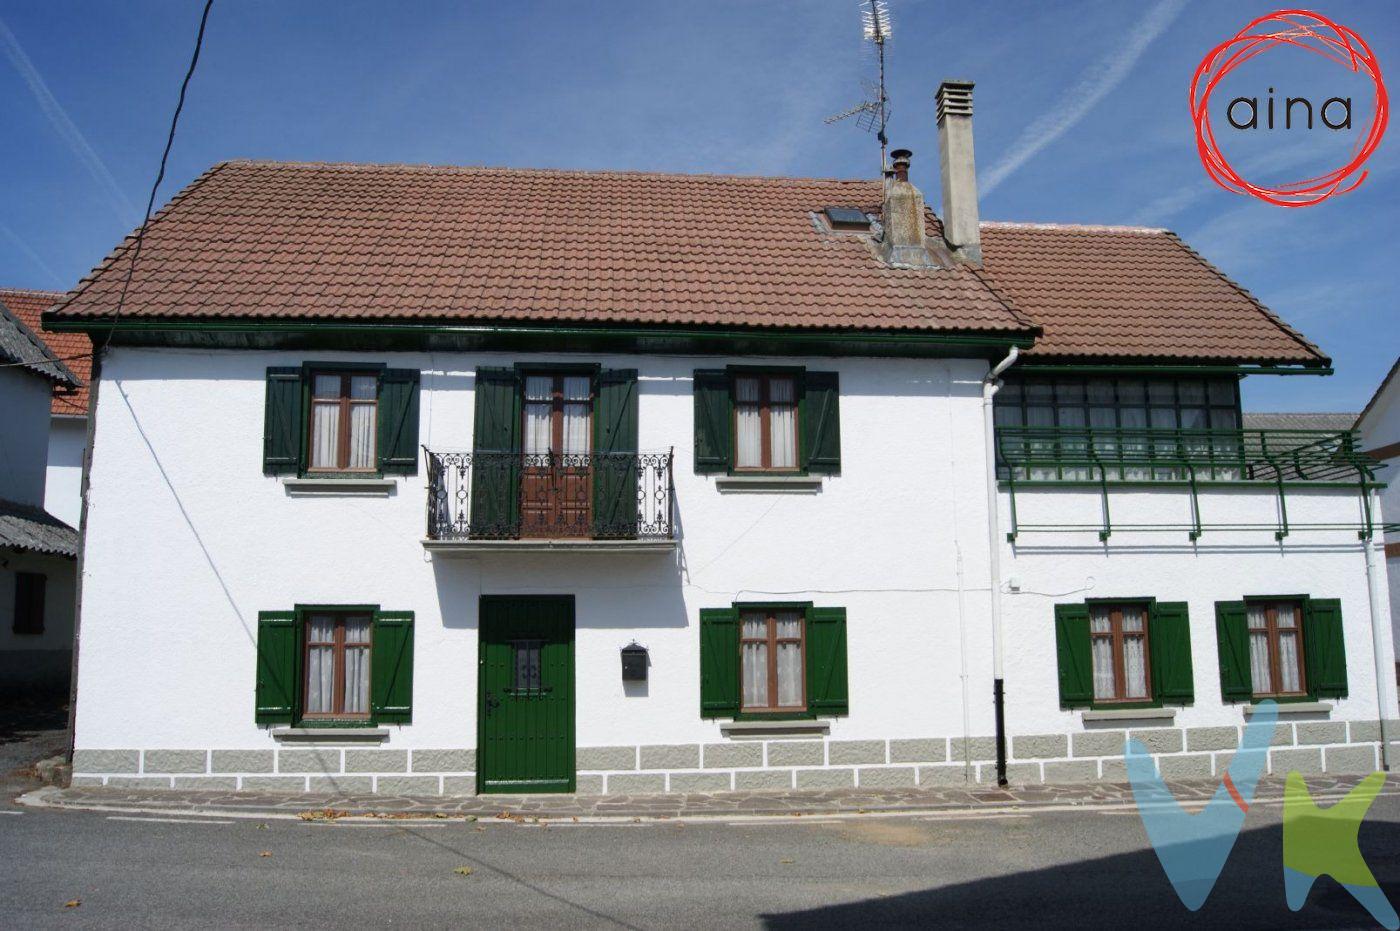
(615, 455)
(391, 668)
(827, 692)
(282, 421)
(1072, 649)
(1324, 650)
(821, 422)
(495, 491)
(713, 421)
(398, 421)
(1169, 636)
(719, 662)
(1232, 640)
(279, 653)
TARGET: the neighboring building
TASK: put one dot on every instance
(422, 480)
(63, 485)
(37, 550)
(1379, 429)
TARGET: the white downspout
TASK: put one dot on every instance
(1374, 575)
(990, 386)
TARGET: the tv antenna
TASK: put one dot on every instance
(873, 113)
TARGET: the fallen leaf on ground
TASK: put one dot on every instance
(464, 871)
(264, 853)
(438, 814)
(72, 903)
(785, 861)
(321, 814)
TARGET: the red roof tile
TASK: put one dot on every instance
(269, 240)
(1127, 291)
(73, 349)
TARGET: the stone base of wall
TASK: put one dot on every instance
(748, 765)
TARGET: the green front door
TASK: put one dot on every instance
(525, 694)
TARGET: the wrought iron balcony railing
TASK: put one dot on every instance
(1105, 454)
(522, 496)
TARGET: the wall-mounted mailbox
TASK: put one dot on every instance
(634, 663)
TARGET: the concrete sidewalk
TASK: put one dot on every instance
(794, 803)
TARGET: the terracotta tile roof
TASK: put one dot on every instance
(1115, 292)
(269, 240)
(74, 349)
(276, 240)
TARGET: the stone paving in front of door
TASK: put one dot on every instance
(672, 805)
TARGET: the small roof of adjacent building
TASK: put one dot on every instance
(1380, 392)
(21, 346)
(35, 530)
(74, 350)
(1297, 421)
(276, 241)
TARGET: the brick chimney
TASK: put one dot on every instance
(958, 171)
(902, 217)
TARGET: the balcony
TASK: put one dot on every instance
(526, 502)
(1102, 458)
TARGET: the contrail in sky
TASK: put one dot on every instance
(65, 126)
(18, 242)
(1094, 85)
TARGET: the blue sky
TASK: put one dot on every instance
(1081, 116)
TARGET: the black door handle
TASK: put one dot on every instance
(491, 702)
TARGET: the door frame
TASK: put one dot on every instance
(483, 600)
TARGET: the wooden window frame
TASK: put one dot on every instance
(342, 445)
(1271, 629)
(25, 623)
(557, 403)
(765, 395)
(337, 643)
(1118, 636)
(772, 640)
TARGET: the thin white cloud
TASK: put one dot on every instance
(65, 126)
(28, 252)
(1093, 86)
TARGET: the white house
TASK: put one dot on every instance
(67, 438)
(36, 548)
(1378, 427)
(446, 480)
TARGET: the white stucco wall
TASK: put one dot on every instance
(1380, 428)
(63, 484)
(187, 541)
(24, 434)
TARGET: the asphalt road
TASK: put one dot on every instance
(1080, 869)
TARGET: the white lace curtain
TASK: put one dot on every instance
(756, 684)
(539, 414)
(326, 412)
(1134, 626)
(782, 422)
(1261, 672)
(321, 671)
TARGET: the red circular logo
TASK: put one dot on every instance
(1319, 35)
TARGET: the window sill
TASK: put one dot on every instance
(1156, 715)
(370, 487)
(1322, 708)
(757, 730)
(331, 735)
(781, 484)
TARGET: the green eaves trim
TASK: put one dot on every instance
(713, 338)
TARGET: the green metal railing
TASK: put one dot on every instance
(1109, 456)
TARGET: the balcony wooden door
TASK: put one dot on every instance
(525, 700)
(556, 483)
